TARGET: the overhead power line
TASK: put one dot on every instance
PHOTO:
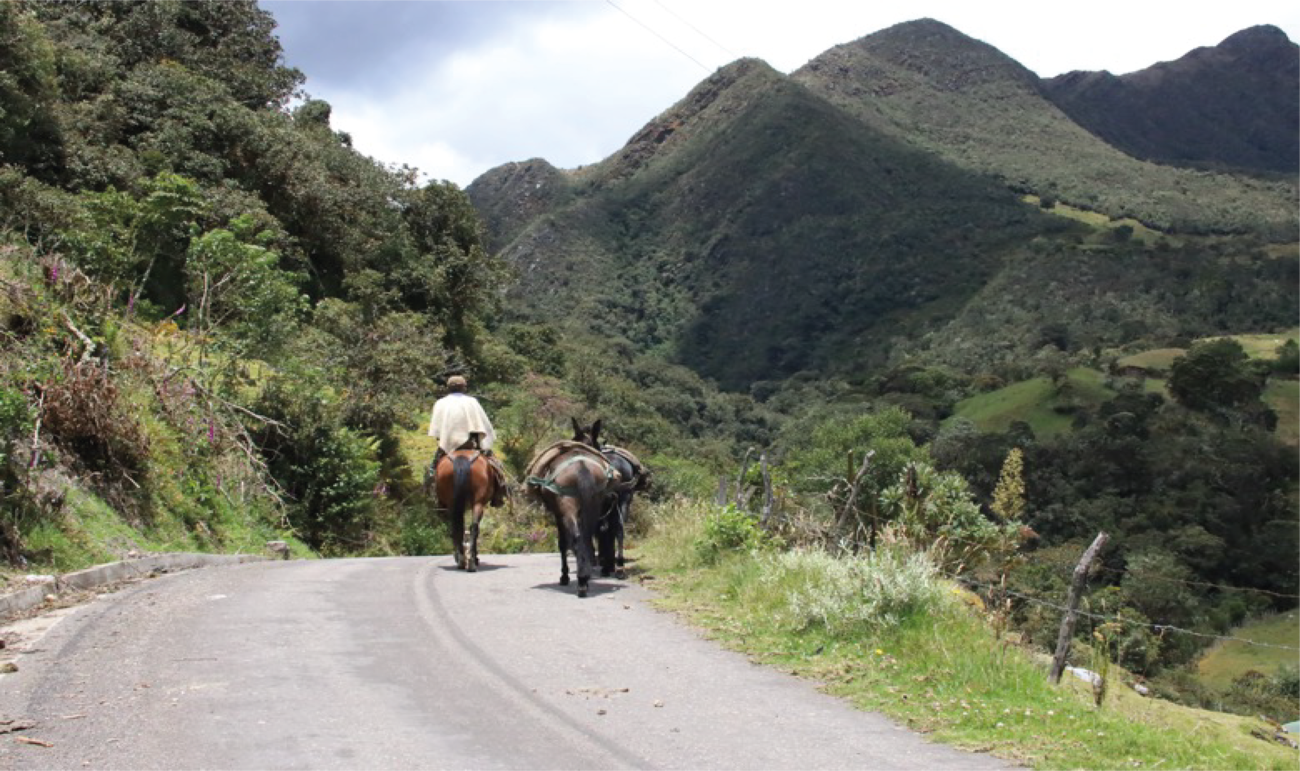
(698, 31)
(649, 29)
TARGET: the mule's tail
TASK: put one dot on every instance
(591, 506)
(460, 486)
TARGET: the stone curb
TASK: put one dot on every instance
(114, 572)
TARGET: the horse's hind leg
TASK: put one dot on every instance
(457, 526)
(471, 562)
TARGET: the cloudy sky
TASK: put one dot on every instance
(456, 87)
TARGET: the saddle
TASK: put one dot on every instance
(545, 466)
(642, 474)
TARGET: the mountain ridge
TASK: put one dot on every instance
(766, 225)
(1234, 105)
(999, 120)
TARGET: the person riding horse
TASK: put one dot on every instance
(459, 422)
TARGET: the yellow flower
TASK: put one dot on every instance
(879, 652)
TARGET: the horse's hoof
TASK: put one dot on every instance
(606, 572)
(473, 567)
(564, 580)
(620, 574)
(582, 591)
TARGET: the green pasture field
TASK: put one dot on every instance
(1260, 346)
(1097, 220)
(1284, 397)
(1157, 360)
(1230, 659)
(1036, 402)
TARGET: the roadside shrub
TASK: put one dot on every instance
(422, 532)
(84, 413)
(1287, 682)
(848, 594)
(328, 471)
(337, 501)
(726, 529)
(15, 420)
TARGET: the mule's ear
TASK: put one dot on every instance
(595, 433)
(577, 430)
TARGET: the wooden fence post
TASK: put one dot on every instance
(740, 480)
(767, 491)
(1072, 604)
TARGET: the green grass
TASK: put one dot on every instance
(1098, 220)
(1158, 360)
(1284, 397)
(1046, 409)
(1260, 346)
(1257, 346)
(940, 671)
(1229, 660)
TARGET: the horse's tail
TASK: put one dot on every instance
(460, 485)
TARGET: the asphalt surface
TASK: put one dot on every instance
(408, 663)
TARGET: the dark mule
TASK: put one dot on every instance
(464, 480)
(571, 480)
(634, 478)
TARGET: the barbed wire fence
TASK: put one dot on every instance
(1101, 617)
(1071, 613)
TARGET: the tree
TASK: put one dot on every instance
(1009, 496)
(1216, 376)
(29, 131)
(233, 280)
(1287, 363)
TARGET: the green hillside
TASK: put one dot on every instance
(762, 232)
(210, 300)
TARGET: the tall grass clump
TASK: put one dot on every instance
(675, 525)
(852, 594)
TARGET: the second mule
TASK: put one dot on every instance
(571, 479)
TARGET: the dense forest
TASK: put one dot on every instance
(221, 324)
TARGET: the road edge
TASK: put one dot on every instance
(15, 603)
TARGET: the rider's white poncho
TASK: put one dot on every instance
(455, 417)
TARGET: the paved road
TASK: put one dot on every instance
(407, 663)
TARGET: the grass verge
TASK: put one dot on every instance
(936, 666)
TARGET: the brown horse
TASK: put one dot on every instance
(571, 480)
(464, 481)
